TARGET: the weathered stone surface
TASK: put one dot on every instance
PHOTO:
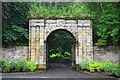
(82, 50)
(51, 21)
(70, 21)
(110, 53)
(36, 22)
(71, 25)
(60, 23)
(84, 23)
(51, 25)
(15, 53)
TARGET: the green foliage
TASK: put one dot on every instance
(112, 68)
(53, 56)
(14, 23)
(108, 29)
(37, 10)
(7, 67)
(21, 65)
(116, 70)
(84, 65)
(106, 66)
(57, 10)
(2, 62)
(18, 66)
(57, 55)
(95, 66)
(105, 21)
(67, 55)
(60, 41)
(31, 65)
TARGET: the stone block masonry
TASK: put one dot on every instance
(110, 53)
(40, 29)
(15, 53)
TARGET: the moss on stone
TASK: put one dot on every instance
(75, 17)
(42, 67)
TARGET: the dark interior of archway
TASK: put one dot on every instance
(59, 44)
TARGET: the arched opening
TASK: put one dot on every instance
(59, 48)
(81, 31)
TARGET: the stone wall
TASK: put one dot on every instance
(100, 54)
(15, 53)
(40, 29)
(110, 53)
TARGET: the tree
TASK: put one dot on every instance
(104, 16)
(15, 23)
(105, 23)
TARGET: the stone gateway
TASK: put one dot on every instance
(40, 29)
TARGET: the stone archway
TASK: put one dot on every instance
(39, 29)
(72, 46)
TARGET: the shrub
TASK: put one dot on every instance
(6, 67)
(31, 65)
(115, 70)
(21, 65)
(13, 65)
(118, 70)
(95, 66)
(84, 65)
(67, 55)
(53, 56)
(9, 66)
(2, 62)
(107, 66)
(59, 55)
